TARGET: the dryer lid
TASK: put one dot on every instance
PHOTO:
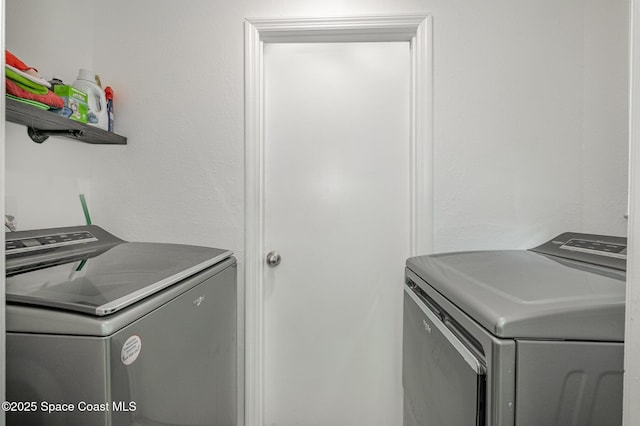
(523, 294)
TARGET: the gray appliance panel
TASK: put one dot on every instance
(519, 293)
(495, 354)
(112, 280)
(47, 369)
(184, 369)
(41, 319)
(569, 383)
(534, 382)
(444, 381)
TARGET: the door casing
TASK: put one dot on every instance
(417, 30)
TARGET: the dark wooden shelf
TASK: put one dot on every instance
(42, 121)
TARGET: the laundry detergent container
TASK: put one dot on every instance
(96, 100)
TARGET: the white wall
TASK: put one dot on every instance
(43, 181)
(518, 95)
(530, 114)
(605, 116)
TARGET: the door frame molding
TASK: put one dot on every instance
(417, 30)
(630, 411)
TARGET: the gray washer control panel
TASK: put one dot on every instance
(601, 250)
(26, 244)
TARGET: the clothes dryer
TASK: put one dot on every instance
(516, 337)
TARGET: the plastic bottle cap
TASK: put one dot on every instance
(85, 74)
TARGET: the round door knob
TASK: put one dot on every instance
(273, 258)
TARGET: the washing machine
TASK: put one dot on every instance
(101, 331)
(516, 337)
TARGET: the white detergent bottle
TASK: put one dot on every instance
(96, 99)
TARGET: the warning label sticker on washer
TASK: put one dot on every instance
(131, 350)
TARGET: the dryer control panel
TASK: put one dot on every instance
(601, 250)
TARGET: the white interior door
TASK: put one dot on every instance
(337, 209)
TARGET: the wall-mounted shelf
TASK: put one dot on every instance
(42, 124)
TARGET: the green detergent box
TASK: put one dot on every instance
(74, 99)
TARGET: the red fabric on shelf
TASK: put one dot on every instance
(13, 60)
(50, 98)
